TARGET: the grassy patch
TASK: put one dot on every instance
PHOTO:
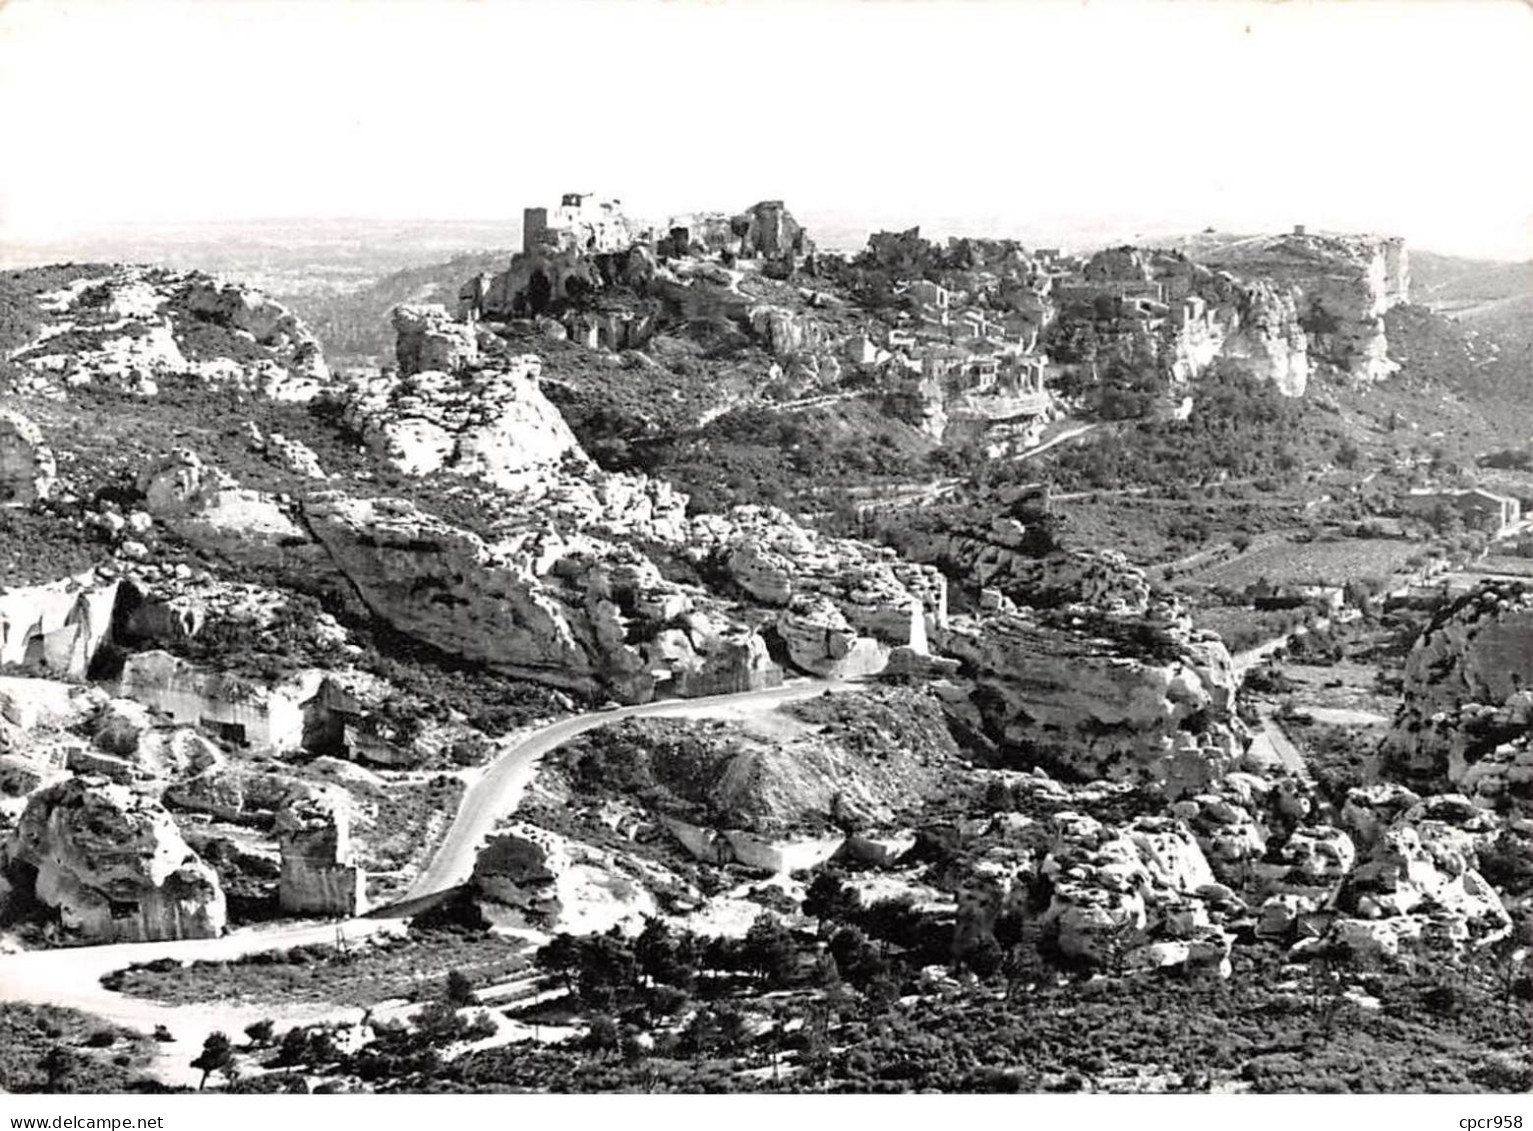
(44, 1048)
(1316, 562)
(413, 967)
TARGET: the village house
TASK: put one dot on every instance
(930, 302)
(1190, 311)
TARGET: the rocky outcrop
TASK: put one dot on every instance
(1141, 698)
(1466, 717)
(557, 598)
(530, 877)
(264, 321)
(1005, 553)
(113, 866)
(1409, 876)
(545, 608)
(772, 232)
(1344, 285)
(136, 326)
(27, 468)
(706, 655)
(207, 507)
(57, 628)
(290, 455)
(319, 874)
(492, 424)
(429, 339)
(1134, 898)
(1262, 335)
(773, 559)
(785, 333)
(821, 641)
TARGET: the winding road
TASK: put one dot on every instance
(499, 790)
(71, 976)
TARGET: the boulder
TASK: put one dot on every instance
(821, 642)
(1403, 877)
(530, 877)
(113, 865)
(428, 338)
(319, 873)
(1467, 696)
(208, 508)
(1207, 953)
(58, 627)
(1318, 855)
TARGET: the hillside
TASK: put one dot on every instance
(354, 324)
(941, 726)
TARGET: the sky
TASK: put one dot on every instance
(1023, 118)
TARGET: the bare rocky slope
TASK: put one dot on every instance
(261, 615)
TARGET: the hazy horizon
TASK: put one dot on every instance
(1043, 121)
(444, 238)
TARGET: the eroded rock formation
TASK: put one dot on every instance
(1344, 286)
(113, 866)
(59, 627)
(319, 874)
(27, 468)
(134, 327)
(491, 423)
(1466, 720)
(429, 339)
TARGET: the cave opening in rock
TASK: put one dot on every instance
(539, 292)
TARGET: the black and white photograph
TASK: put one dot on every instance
(848, 548)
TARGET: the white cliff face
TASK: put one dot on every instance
(1341, 285)
(542, 607)
(1250, 323)
(57, 628)
(112, 863)
(319, 873)
(1264, 336)
(136, 326)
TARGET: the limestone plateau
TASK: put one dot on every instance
(786, 655)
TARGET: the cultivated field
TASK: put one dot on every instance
(1320, 562)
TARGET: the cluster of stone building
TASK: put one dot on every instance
(587, 224)
(950, 339)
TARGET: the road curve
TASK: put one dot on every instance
(497, 792)
(71, 976)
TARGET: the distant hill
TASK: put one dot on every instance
(354, 325)
(1448, 283)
